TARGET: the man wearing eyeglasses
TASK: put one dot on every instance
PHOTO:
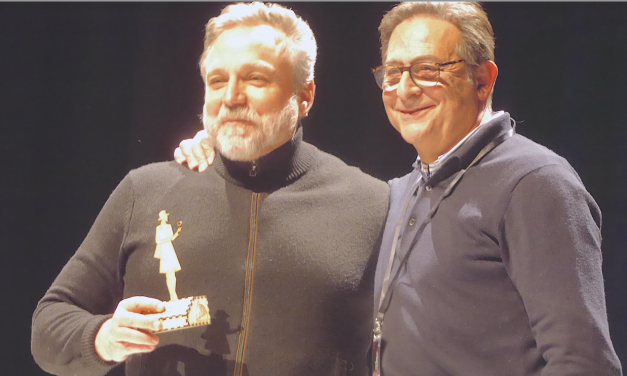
(491, 255)
(491, 258)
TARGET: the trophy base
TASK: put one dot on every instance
(184, 313)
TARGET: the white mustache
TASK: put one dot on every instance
(238, 114)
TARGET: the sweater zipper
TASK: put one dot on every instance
(253, 168)
(248, 285)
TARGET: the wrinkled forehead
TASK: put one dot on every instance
(423, 37)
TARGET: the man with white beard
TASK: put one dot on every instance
(268, 234)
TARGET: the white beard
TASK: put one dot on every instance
(241, 141)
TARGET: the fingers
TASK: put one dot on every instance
(186, 152)
(137, 321)
(127, 331)
(197, 152)
(131, 313)
(114, 343)
(131, 338)
(178, 156)
(203, 150)
(141, 304)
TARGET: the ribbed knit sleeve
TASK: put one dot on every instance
(68, 317)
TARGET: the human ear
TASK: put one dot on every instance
(306, 98)
(485, 77)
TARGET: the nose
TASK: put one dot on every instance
(406, 87)
(234, 94)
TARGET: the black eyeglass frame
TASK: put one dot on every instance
(408, 69)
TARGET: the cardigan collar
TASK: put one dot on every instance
(269, 172)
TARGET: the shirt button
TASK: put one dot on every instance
(428, 188)
(412, 221)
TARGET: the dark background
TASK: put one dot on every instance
(89, 91)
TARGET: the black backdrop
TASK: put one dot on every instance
(91, 90)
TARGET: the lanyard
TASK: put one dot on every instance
(388, 287)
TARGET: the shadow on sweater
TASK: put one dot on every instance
(177, 360)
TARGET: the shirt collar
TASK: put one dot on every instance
(428, 169)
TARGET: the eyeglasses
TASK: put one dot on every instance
(423, 74)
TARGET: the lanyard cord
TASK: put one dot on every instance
(388, 287)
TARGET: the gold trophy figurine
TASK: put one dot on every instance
(179, 313)
(169, 264)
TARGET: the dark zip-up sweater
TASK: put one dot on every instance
(506, 279)
(284, 257)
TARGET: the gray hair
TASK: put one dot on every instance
(301, 43)
(477, 44)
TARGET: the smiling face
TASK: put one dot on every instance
(250, 106)
(433, 119)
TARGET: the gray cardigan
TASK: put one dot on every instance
(285, 258)
(506, 279)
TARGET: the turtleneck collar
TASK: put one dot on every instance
(272, 171)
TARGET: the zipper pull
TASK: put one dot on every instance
(253, 169)
(376, 348)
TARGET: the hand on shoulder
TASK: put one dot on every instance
(197, 152)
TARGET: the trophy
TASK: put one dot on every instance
(179, 313)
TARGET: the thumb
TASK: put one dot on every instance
(142, 304)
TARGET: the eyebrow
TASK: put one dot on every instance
(248, 66)
(260, 66)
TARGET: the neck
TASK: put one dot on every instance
(431, 154)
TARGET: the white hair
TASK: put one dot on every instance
(301, 43)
